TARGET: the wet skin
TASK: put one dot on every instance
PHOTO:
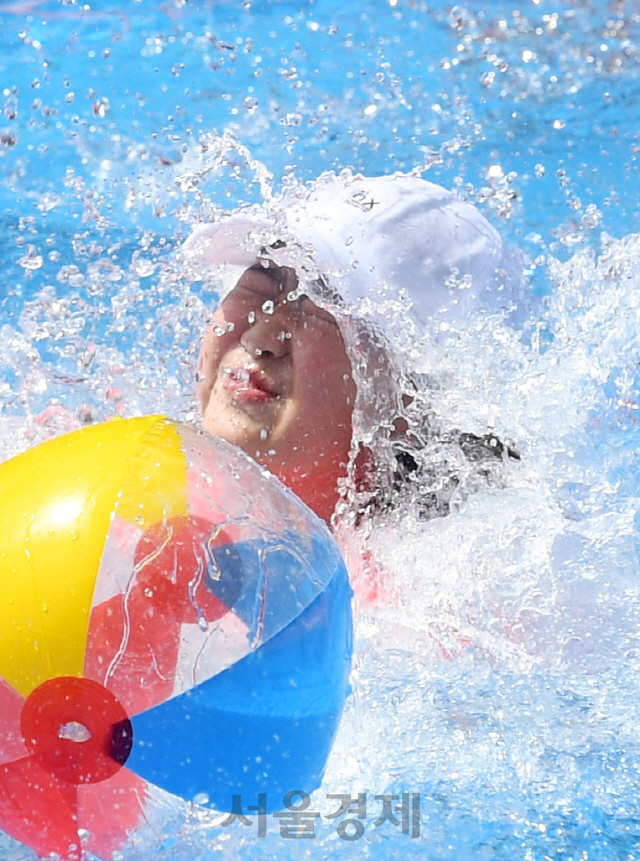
(275, 380)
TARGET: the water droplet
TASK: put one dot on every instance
(592, 216)
(47, 202)
(201, 798)
(11, 108)
(74, 731)
(71, 275)
(143, 267)
(269, 306)
(101, 107)
(31, 260)
(293, 119)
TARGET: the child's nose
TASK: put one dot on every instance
(267, 336)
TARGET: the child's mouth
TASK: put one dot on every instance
(248, 385)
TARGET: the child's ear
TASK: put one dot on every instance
(400, 428)
(364, 470)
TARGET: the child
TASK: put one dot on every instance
(295, 368)
(275, 379)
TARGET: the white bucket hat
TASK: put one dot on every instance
(397, 238)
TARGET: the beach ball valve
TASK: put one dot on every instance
(174, 618)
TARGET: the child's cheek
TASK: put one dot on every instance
(213, 348)
(325, 371)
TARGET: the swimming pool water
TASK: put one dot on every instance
(499, 678)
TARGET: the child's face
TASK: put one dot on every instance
(275, 379)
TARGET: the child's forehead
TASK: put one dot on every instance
(282, 277)
(281, 285)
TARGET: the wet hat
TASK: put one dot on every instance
(397, 238)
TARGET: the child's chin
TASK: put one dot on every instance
(240, 430)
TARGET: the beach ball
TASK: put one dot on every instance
(172, 617)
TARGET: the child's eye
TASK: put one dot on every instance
(261, 282)
(260, 290)
(309, 310)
